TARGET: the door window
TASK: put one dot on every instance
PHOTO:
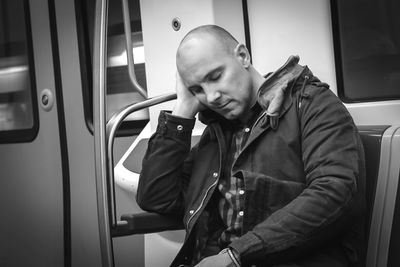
(120, 92)
(18, 106)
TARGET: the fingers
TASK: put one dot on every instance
(186, 105)
(179, 85)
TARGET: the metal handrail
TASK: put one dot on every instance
(99, 121)
(111, 130)
(104, 133)
(129, 52)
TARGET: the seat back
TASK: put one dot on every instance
(371, 137)
(382, 156)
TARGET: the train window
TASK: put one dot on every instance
(120, 92)
(18, 104)
(367, 49)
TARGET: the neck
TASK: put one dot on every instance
(258, 80)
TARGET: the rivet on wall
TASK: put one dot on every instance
(176, 24)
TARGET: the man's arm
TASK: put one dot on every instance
(331, 156)
(167, 162)
(166, 166)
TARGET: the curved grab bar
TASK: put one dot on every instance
(129, 52)
(111, 129)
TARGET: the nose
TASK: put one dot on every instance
(213, 95)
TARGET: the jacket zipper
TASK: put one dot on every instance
(202, 201)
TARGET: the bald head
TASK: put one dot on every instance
(214, 33)
(217, 71)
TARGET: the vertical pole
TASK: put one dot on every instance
(99, 123)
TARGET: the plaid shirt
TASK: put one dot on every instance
(231, 204)
(232, 192)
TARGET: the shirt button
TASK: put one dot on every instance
(191, 211)
(179, 127)
(215, 174)
(241, 213)
(247, 129)
(241, 192)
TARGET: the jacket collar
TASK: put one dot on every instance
(266, 121)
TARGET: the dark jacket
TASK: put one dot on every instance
(303, 172)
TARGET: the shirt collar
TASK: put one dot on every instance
(254, 112)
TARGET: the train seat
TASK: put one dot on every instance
(371, 138)
(382, 156)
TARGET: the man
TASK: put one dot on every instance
(277, 178)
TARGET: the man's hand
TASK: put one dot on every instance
(219, 260)
(187, 105)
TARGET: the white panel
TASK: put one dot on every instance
(161, 248)
(229, 15)
(375, 113)
(289, 27)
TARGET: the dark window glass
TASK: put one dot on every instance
(18, 106)
(120, 92)
(367, 49)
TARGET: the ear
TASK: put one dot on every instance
(243, 55)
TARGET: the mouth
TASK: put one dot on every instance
(222, 106)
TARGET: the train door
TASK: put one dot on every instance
(33, 180)
(47, 161)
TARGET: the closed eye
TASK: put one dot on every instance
(215, 76)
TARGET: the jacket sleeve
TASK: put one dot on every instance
(333, 163)
(166, 166)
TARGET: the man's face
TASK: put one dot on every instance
(217, 78)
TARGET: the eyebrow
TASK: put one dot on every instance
(207, 76)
